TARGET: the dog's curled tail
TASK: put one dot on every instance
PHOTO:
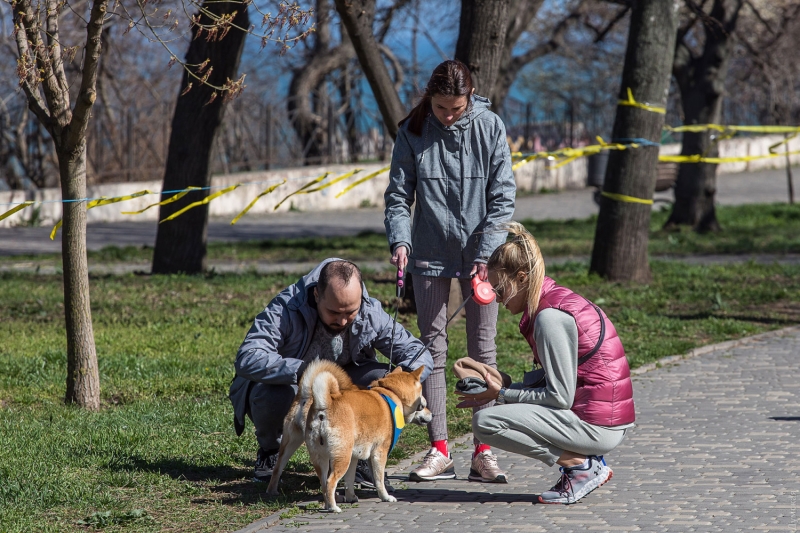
(324, 387)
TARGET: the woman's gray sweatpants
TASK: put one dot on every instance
(542, 432)
(432, 295)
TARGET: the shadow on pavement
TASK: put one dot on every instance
(414, 495)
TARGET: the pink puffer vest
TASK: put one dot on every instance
(604, 393)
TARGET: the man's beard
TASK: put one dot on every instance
(335, 328)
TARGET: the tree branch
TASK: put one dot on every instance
(28, 79)
(54, 99)
(388, 15)
(600, 34)
(53, 43)
(755, 11)
(88, 92)
(542, 49)
(396, 65)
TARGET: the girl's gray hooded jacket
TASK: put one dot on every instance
(271, 351)
(461, 179)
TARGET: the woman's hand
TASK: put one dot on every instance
(400, 257)
(476, 400)
(481, 271)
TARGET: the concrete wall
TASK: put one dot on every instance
(534, 176)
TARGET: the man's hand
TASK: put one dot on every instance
(481, 270)
(476, 400)
(400, 257)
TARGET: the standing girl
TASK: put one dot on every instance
(580, 405)
(451, 161)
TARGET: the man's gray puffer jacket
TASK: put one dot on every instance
(272, 349)
(460, 177)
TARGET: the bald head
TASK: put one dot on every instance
(338, 294)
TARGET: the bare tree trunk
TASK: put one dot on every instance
(701, 79)
(181, 243)
(44, 82)
(482, 40)
(83, 378)
(357, 17)
(620, 243)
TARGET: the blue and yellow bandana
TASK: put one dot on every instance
(398, 421)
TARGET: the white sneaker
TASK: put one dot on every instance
(434, 466)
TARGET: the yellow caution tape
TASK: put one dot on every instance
(787, 138)
(251, 204)
(201, 202)
(696, 128)
(567, 155)
(173, 198)
(719, 160)
(631, 102)
(102, 201)
(306, 190)
(624, 198)
(362, 180)
(13, 210)
(304, 187)
(333, 181)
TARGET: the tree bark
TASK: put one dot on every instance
(83, 378)
(701, 80)
(181, 243)
(357, 17)
(621, 237)
(482, 40)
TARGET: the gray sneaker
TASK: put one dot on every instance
(434, 466)
(265, 462)
(365, 478)
(576, 482)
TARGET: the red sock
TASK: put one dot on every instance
(441, 445)
(481, 448)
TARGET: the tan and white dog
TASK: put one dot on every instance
(341, 424)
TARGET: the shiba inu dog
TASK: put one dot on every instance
(341, 424)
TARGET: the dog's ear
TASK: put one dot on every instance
(396, 370)
(418, 372)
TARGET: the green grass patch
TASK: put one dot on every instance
(162, 453)
(747, 229)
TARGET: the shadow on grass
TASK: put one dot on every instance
(231, 485)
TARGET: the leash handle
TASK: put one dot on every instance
(401, 284)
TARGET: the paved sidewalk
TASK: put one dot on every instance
(716, 448)
(733, 189)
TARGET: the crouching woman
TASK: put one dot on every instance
(579, 405)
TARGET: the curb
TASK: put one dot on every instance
(669, 360)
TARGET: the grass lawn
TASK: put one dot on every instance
(162, 453)
(748, 229)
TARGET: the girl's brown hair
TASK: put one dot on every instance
(450, 78)
(519, 254)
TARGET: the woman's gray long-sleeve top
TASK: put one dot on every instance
(460, 182)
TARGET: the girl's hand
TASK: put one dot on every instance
(400, 257)
(476, 400)
(481, 270)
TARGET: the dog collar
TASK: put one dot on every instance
(398, 421)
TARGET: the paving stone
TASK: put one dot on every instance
(716, 448)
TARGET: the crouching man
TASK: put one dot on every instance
(327, 314)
